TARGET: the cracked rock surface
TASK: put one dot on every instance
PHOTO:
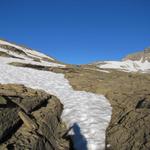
(30, 119)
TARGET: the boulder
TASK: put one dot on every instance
(30, 119)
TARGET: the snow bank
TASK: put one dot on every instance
(32, 53)
(128, 65)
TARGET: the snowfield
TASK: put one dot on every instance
(127, 66)
(27, 60)
(83, 111)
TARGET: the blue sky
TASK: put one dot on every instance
(78, 31)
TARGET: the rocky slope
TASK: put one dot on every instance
(83, 90)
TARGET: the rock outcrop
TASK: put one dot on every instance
(143, 56)
(30, 119)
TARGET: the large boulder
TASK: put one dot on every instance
(30, 119)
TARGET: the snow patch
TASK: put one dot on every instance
(29, 52)
(127, 66)
(27, 60)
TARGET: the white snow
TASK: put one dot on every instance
(128, 65)
(29, 52)
(89, 114)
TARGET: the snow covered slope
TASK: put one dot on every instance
(138, 62)
(127, 66)
(89, 112)
(25, 55)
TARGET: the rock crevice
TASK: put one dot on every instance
(30, 119)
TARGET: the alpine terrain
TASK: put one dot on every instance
(48, 105)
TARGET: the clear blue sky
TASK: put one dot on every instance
(78, 31)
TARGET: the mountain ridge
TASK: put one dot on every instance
(142, 55)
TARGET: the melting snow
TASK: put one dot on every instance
(32, 53)
(128, 65)
(106, 71)
(88, 113)
(27, 60)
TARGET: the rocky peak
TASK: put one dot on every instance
(139, 56)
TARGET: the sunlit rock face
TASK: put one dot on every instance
(30, 119)
(143, 56)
